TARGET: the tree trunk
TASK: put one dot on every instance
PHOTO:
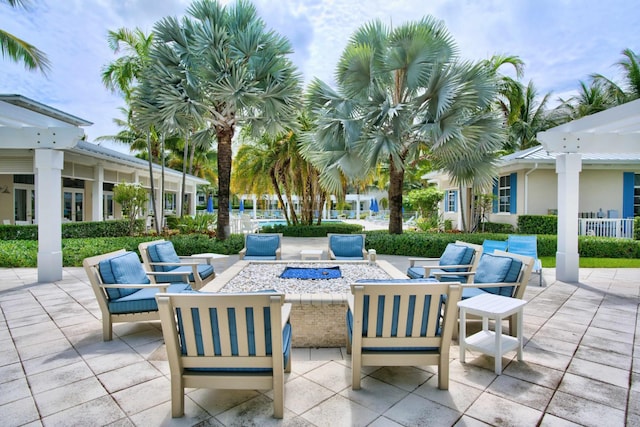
(276, 188)
(153, 191)
(184, 175)
(224, 134)
(162, 154)
(396, 180)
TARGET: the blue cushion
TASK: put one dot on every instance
(260, 258)
(418, 273)
(471, 292)
(262, 245)
(488, 246)
(497, 269)
(394, 321)
(286, 337)
(143, 299)
(163, 252)
(122, 269)
(456, 255)
(347, 247)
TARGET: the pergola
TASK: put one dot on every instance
(26, 124)
(616, 130)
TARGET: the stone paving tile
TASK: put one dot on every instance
(604, 357)
(495, 410)
(417, 411)
(127, 376)
(536, 374)
(607, 394)
(103, 408)
(458, 397)
(161, 415)
(11, 372)
(11, 391)
(375, 394)
(625, 348)
(340, 411)
(68, 396)
(218, 401)
(601, 372)
(405, 377)
(334, 376)
(20, 412)
(520, 391)
(585, 412)
(58, 377)
(301, 394)
(144, 395)
(552, 421)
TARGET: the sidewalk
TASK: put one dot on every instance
(581, 365)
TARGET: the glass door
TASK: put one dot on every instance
(24, 204)
(73, 205)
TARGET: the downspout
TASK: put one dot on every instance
(526, 188)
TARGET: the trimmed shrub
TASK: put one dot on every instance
(636, 228)
(313, 230)
(496, 227)
(538, 224)
(74, 230)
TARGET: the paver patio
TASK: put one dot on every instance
(581, 365)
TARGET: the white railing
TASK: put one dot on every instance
(621, 228)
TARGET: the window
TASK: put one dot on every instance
(170, 201)
(504, 194)
(451, 201)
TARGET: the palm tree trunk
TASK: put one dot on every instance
(463, 209)
(224, 133)
(395, 199)
(153, 191)
(274, 182)
(184, 174)
(162, 159)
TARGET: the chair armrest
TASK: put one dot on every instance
(469, 274)
(242, 253)
(350, 302)
(182, 274)
(490, 285)
(163, 287)
(412, 261)
(195, 258)
(174, 264)
(428, 268)
(278, 254)
(286, 313)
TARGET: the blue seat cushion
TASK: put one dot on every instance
(262, 245)
(204, 271)
(498, 269)
(143, 299)
(260, 258)
(122, 269)
(163, 252)
(347, 247)
(394, 321)
(286, 337)
(456, 255)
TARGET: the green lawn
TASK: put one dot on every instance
(550, 262)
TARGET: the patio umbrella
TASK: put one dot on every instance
(210, 204)
(375, 206)
(241, 208)
(371, 205)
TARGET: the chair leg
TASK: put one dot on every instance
(443, 373)
(177, 397)
(356, 366)
(278, 396)
(107, 328)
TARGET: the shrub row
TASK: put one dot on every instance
(313, 230)
(71, 230)
(24, 253)
(432, 245)
(538, 224)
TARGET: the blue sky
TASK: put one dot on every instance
(560, 41)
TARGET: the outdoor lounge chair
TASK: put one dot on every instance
(161, 256)
(401, 324)
(528, 246)
(346, 246)
(500, 273)
(226, 341)
(488, 246)
(123, 288)
(262, 246)
(457, 257)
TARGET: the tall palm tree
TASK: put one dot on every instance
(232, 70)
(19, 50)
(591, 98)
(530, 117)
(122, 76)
(402, 93)
(630, 66)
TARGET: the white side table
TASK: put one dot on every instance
(311, 254)
(496, 307)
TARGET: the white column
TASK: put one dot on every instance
(568, 168)
(48, 168)
(97, 199)
(254, 200)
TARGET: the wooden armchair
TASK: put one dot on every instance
(226, 341)
(346, 246)
(262, 246)
(161, 256)
(401, 324)
(123, 289)
(457, 257)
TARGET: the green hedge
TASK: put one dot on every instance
(24, 253)
(497, 227)
(636, 228)
(538, 224)
(313, 230)
(71, 230)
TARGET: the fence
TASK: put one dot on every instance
(616, 227)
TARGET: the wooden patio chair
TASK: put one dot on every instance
(457, 257)
(346, 246)
(262, 247)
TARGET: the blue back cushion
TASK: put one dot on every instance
(347, 246)
(456, 255)
(163, 252)
(523, 245)
(498, 269)
(122, 269)
(258, 245)
(488, 246)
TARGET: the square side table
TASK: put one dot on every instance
(493, 343)
(311, 254)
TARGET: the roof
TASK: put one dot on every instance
(30, 104)
(98, 151)
(541, 155)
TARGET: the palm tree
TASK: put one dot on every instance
(402, 93)
(230, 70)
(529, 118)
(122, 76)
(630, 66)
(591, 98)
(20, 51)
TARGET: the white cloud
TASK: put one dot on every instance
(561, 41)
